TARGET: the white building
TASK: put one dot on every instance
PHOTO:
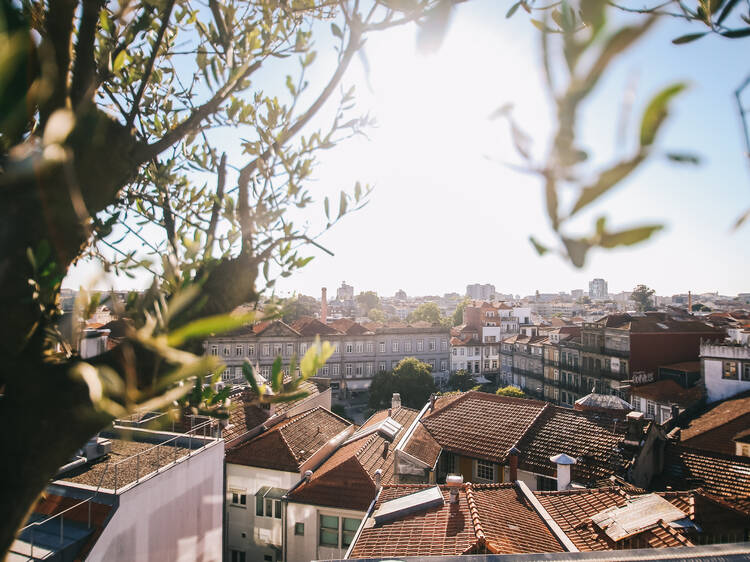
(598, 289)
(262, 470)
(726, 370)
(133, 494)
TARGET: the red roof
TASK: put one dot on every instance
(288, 444)
(308, 326)
(717, 473)
(715, 429)
(347, 478)
(668, 391)
(493, 518)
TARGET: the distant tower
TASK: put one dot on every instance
(323, 306)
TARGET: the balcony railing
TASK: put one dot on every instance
(527, 373)
(624, 353)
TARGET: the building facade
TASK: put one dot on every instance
(598, 289)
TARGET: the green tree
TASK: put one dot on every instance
(461, 380)
(368, 301)
(376, 315)
(458, 314)
(426, 312)
(699, 307)
(110, 114)
(511, 391)
(411, 378)
(296, 307)
(643, 298)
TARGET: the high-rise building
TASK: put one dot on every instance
(345, 292)
(480, 292)
(598, 289)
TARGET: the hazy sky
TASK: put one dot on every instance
(446, 212)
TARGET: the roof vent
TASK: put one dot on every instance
(411, 503)
(387, 428)
(454, 483)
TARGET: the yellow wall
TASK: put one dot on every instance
(465, 467)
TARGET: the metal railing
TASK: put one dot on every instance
(205, 428)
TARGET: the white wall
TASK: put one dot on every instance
(306, 548)
(718, 388)
(260, 532)
(176, 515)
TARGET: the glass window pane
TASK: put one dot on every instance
(269, 508)
(351, 524)
(259, 506)
(329, 538)
(329, 521)
(277, 509)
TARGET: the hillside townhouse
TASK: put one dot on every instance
(726, 369)
(360, 351)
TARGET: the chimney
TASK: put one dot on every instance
(385, 449)
(323, 306)
(432, 401)
(396, 401)
(690, 302)
(378, 478)
(513, 453)
(454, 483)
(563, 463)
(634, 435)
(675, 412)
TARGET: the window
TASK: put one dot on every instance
(381, 346)
(266, 350)
(349, 348)
(455, 351)
(349, 528)
(650, 408)
(237, 556)
(394, 347)
(444, 365)
(225, 375)
(407, 346)
(485, 471)
(432, 346)
(302, 348)
(238, 350)
(238, 372)
(746, 371)
(239, 498)
(289, 349)
(259, 505)
(329, 530)
(299, 529)
(348, 369)
(276, 349)
(214, 350)
(730, 370)
(381, 367)
(226, 351)
(325, 370)
(368, 369)
(420, 345)
(431, 363)
(336, 347)
(463, 349)
(334, 369)
(276, 509)
(444, 344)
(486, 364)
(358, 369)
(251, 350)
(359, 347)
(370, 347)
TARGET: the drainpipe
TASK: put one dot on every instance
(284, 504)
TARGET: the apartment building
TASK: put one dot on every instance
(726, 369)
(360, 350)
(132, 494)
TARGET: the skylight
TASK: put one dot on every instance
(388, 428)
(638, 515)
(412, 503)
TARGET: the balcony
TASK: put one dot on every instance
(526, 373)
(624, 353)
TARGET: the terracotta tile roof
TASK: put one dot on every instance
(347, 478)
(688, 366)
(421, 445)
(668, 391)
(491, 518)
(593, 439)
(245, 415)
(717, 473)
(308, 326)
(657, 322)
(572, 510)
(715, 429)
(468, 425)
(288, 444)
(349, 327)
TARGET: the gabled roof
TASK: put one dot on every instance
(717, 473)
(594, 440)
(469, 425)
(423, 446)
(347, 478)
(308, 326)
(349, 327)
(246, 415)
(288, 444)
(492, 518)
(274, 328)
(669, 391)
(656, 322)
(714, 429)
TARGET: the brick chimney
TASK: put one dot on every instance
(323, 306)
(513, 462)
